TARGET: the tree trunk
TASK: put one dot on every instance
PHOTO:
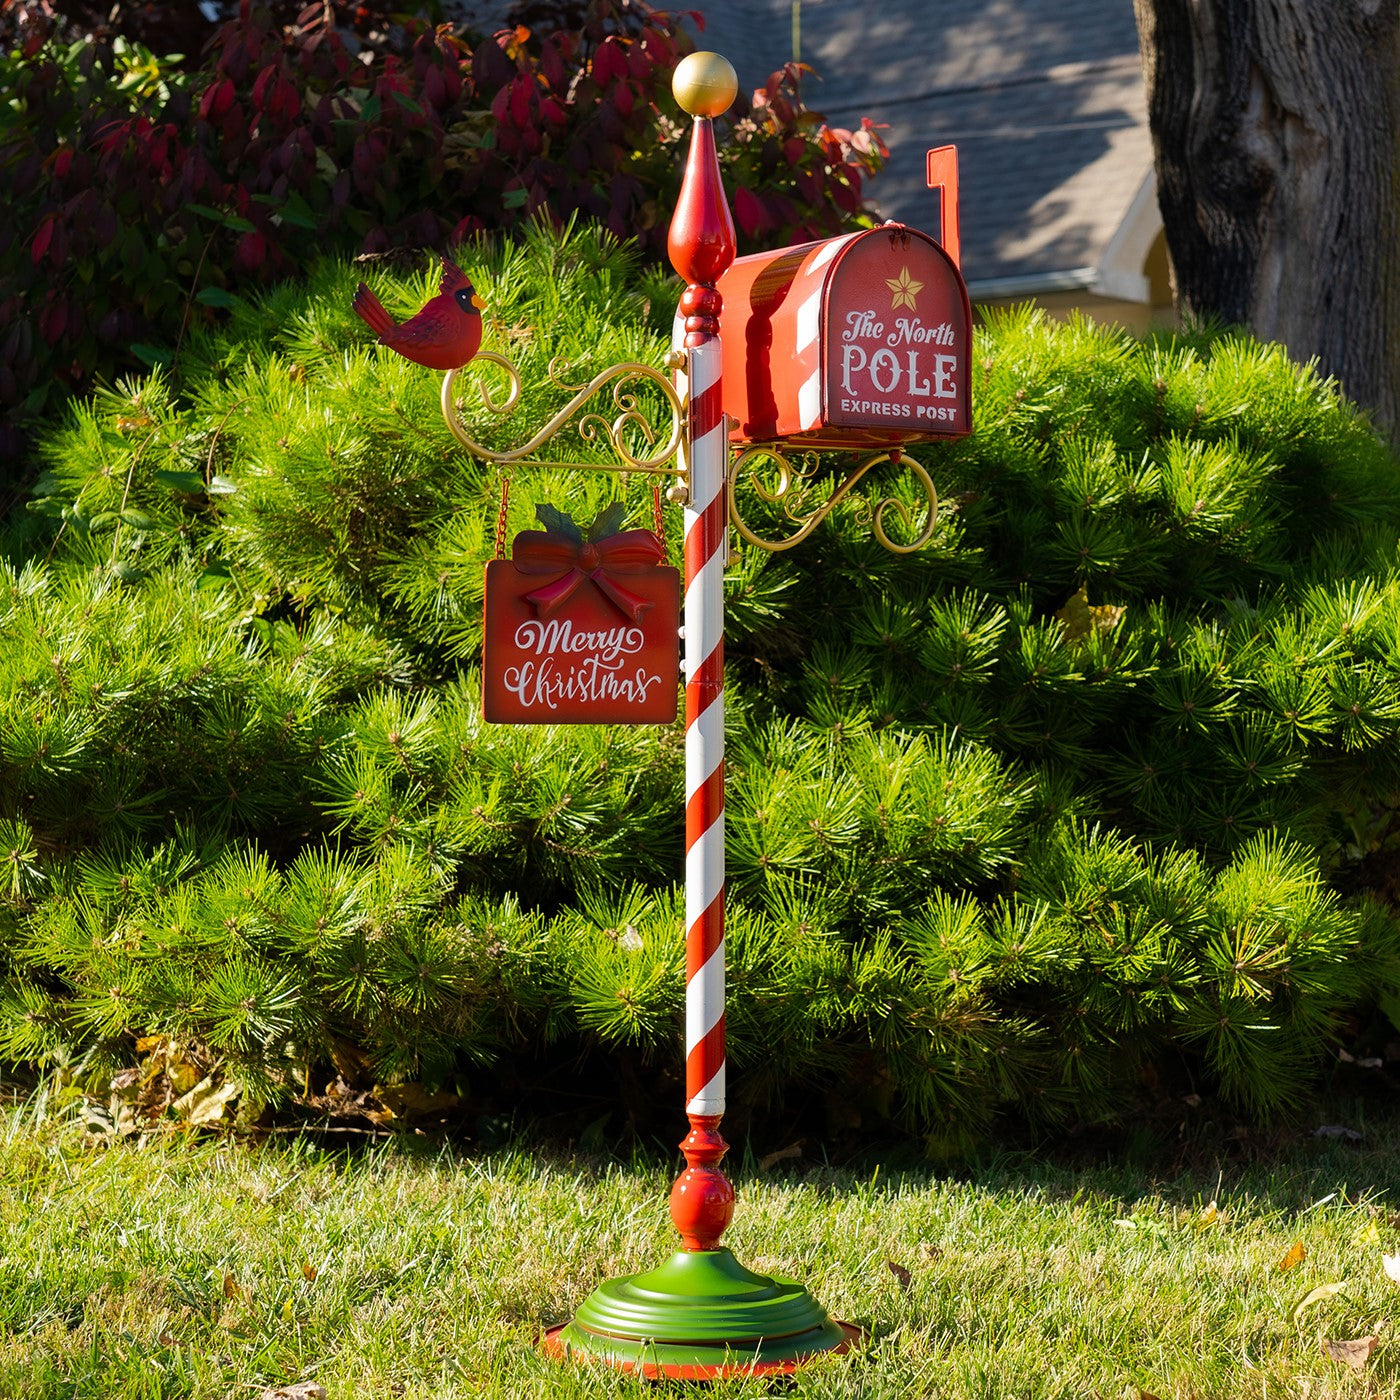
(1276, 125)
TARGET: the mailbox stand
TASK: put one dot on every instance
(855, 343)
(702, 1314)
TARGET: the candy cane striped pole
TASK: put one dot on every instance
(705, 520)
(701, 1314)
(701, 245)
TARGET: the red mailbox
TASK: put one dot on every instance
(859, 342)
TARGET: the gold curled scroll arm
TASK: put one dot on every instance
(793, 488)
(925, 534)
(592, 427)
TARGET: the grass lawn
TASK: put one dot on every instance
(210, 1269)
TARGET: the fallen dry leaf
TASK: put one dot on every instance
(309, 1272)
(900, 1272)
(1294, 1257)
(205, 1103)
(231, 1288)
(783, 1154)
(1391, 1264)
(1354, 1353)
(1323, 1290)
(1081, 618)
(351, 1063)
(930, 1250)
(302, 1390)
(1208, 1216)
(413, 1100)
(1370, 1235)
(1146, 1394)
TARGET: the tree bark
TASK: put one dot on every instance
(1276, 125)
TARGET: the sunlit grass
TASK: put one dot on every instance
(202, 1269)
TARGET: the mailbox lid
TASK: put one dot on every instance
(772, 305)
(860, 341)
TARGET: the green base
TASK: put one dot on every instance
(701, 1313)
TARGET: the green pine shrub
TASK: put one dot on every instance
(1237, 521)
(1014, 823)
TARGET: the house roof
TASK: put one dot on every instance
(1043, 98)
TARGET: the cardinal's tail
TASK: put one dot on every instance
(371, 311)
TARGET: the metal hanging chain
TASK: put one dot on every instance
(656, 513)
(501, 518)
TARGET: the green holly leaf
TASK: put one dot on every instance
(215, 575)
(560, 523)
(608, 522)
(218, 297)
(191, 483)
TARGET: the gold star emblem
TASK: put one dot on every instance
(905, 289)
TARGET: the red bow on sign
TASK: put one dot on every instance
(550, 552)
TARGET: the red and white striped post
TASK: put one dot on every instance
(702, 1314)
(701, 245)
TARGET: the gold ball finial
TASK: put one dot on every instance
(705, 84)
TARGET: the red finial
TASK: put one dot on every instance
(701, 240)
(701, 237)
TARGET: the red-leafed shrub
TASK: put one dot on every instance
(145, 193)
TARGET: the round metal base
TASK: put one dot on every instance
(700, 1315)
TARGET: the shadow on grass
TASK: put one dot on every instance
(1181, 1150)
(1346, 1150)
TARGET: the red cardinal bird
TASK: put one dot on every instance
(445, 334)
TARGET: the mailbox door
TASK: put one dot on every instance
(896, 347)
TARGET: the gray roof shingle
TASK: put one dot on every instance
(1043, 98)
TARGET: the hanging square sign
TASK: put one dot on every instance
(581, 626)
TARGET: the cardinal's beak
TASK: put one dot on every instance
(478, 303)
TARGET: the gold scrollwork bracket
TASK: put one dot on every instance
(628, 424)
(792, 492)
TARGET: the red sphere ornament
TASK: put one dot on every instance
(702, 1199)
